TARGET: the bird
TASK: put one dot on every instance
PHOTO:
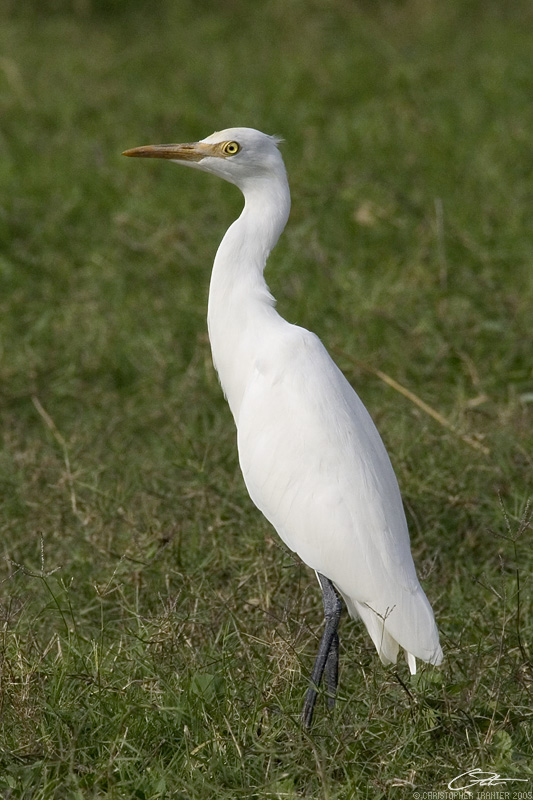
(311, 457)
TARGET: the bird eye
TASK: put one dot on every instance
(231, 148)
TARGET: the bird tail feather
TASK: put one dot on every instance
(385, 643)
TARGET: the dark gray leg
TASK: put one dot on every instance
(328, 652)
(332, 669)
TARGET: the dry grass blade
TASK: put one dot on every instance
(60, 439)
(417, 401)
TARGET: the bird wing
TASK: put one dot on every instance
(315, 465)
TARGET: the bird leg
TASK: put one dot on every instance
(328, 652)
(332, 670)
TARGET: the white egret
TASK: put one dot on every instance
(312, 459)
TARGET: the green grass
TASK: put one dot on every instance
(156, 637)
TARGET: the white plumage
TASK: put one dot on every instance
(311, 457)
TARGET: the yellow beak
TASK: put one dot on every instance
(178, 152)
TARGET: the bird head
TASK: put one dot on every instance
(239, 155)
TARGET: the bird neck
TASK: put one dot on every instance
(240, 304)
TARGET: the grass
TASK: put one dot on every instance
(156, 637)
